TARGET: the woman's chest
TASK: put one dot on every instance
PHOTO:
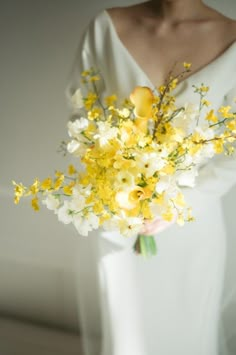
(159, 56)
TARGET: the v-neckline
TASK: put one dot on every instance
(190, 77)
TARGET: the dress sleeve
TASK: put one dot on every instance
(218, 176)
(88, 55)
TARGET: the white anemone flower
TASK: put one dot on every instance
(124, 180)
(105, 133)
(86, 223)
(78, 203)
(149, 163)
(51, 202)
(64, 213)
(130, 226)
(76, 148)
(76, 127)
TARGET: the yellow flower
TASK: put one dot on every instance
(137, 194)
(159, 199)
(34, 189)
(187, 65)
(224, 111)
(168, 215)
(204, 89)
(231, 125)
(146, 211)
(94, 78)
(58, 182)
(180, 219)
(219, 146)
(205, 102)
(179, 200)
(85, 73)
(142, 99)
(71, 170)
(173, 84)
(190, 217)
(95, 113)
(110, 100)
(68, 189)
(90, 100)
(35, 203)
(211, 117)
(19, 191)
(46, 184)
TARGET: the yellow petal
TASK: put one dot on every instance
(142, 98)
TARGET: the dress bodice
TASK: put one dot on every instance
(102, 48)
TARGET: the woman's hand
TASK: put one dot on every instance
(156, 226)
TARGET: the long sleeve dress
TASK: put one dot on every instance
(172, 303)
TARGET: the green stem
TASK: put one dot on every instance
(145, 245)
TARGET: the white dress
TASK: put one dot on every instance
(172, 303)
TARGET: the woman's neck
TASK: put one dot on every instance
(177, 11)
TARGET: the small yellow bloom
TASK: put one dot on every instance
(95, 113)
(187, 65)
(211, 117)
(85, 73)
(231, 125)
(224, 111)
(90, 100)
(35, 203)
(180, 219)
(206, 102)
(71, 170)
(204, 89)
(68, 189)
(179, 200)
(219, 146)
(94, 78)
(58, 182)
(19, 191)
(34, 189)
(168, 215)
(46, 184)
(110, 100)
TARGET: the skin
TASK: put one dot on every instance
(172, 32)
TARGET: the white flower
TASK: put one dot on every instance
(105, 132)
(149, 163)
(77, 99)
(76, 148)
(77, 203)
(51, 202)
(79, 190)
(76, 127)
(124, 180)
(187, 118)
(65, 213)
(86, 223)
(130, 226)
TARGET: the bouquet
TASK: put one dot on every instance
(132, 158)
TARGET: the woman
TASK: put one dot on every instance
(170, 304)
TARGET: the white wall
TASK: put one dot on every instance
(38, 256)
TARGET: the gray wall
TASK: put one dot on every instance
(38, 256)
